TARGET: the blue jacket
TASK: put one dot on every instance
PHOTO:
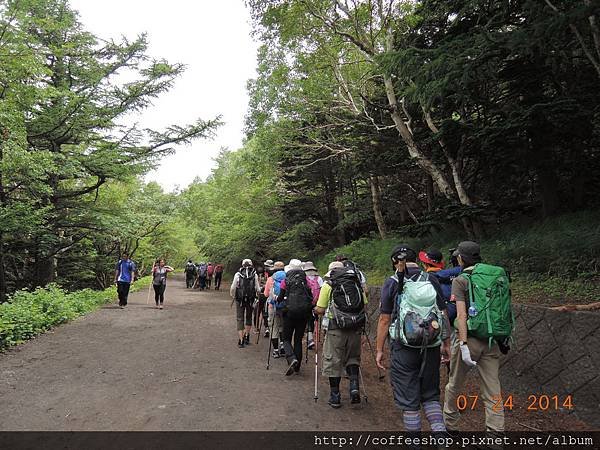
(445, 278)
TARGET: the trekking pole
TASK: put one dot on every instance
(306, 333)
(379, 374)
(362, 381)
(260, 320)
(316, 360)
(150, 285)
(269, 353)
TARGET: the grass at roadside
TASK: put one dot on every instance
(27, 314)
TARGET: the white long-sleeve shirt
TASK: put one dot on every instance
(236, 282)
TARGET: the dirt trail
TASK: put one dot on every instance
(180, 369)
(172, 369)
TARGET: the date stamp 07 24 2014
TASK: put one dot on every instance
(535, 402)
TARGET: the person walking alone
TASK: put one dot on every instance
(124, 276)
(159, 281)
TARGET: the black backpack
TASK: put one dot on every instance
(246, 290)
(347, 303)
(190, 269)
(298, 294)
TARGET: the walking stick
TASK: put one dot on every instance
(269, 353)
(306, 333)
(362, 381)
(150, 285)
(316, 360)
(381, 376)
(260, 320)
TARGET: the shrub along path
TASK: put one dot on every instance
(179, 369)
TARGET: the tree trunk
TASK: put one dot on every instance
(415, 152)
(429, 192)
(377, 206)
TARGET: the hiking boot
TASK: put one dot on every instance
(291, 368)
(311, 344)
(247, 339)
(354, 391)
(276, 354)
(335, 400)
(241, 343)
(266, 333)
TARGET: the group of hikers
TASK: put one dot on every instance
(200, 275)
(456, 317)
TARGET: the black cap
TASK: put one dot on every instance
(403, 251)
(469, 250)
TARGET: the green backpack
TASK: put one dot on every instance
(489, 293)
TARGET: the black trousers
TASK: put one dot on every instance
(189, 280)
(218, 276)
(123, 292)
(293, 329)
(159, 293)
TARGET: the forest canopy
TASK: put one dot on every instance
(367, 119)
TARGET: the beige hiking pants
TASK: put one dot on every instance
(488, 365)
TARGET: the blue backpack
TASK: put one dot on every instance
(278, 277)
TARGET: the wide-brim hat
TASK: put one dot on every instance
(433, 258)
(309, 266)
(279, 265)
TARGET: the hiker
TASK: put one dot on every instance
(298, 308)
(479, 287)
(314, 282)
(218, 276)
(258, 308)
(159, 281)
(342, 303)
(274, 309)
(124, 275)
(210, 269)
(412, 312)
(244, 290)
(347, 262)
(190, 274)
(202, 271)
(269, 271)
(433, 263)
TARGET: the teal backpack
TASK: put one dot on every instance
(490, 314)
(418, 320)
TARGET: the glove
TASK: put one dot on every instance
(466, 355)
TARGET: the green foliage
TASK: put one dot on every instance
(556, 260)
(27, 314)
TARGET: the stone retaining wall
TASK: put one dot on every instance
(554, 353)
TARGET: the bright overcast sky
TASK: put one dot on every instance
(212, 38)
